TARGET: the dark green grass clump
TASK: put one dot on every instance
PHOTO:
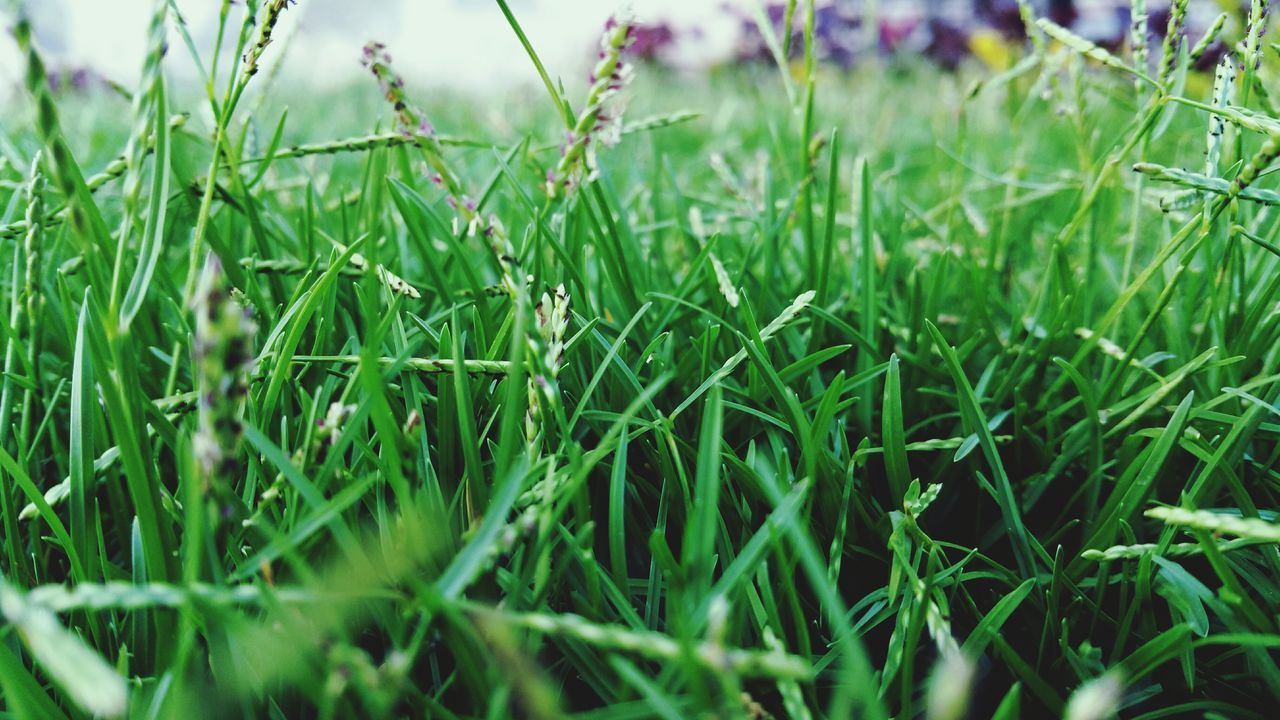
(895, 394)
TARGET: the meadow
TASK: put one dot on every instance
(780, 391)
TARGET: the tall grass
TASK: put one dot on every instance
(896, 394)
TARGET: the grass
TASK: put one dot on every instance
(890, 394)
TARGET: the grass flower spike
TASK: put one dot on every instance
(31, 247)
(224, 360)
(274, 9)
(1097, 699)
(600, 122)
(1257, 27)
(1209, 37)
(547, 349)
(1173, 39)
(414, 125)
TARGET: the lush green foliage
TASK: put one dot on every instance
(861, 381)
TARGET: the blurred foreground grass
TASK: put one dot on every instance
(829, 395)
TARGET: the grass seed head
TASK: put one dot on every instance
(1219, 523)
(1258, 12)
(547, 350)
(1173, 38)
(414, 126)
(1223, 81)
(31, 245)
(410, 119)
(224, 360)
(1209, 37)
(1097, 699)
(950, 686)
(600, 122)
(1260, 161)
(1027, 14)
(274, 9)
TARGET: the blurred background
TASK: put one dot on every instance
(465, 45)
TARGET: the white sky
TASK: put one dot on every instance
(461, 43)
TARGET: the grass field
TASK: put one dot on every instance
(893, 393)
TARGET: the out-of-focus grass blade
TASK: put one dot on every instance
(1010, 708)
(1089, 49)
(86, 218)
(24, 696)
(82, 673)
(269, 157)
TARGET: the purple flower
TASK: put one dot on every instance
(650, 40)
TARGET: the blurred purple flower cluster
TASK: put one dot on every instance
(941, 30)
(651, 41)
(74, 79)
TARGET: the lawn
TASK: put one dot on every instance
(779, 390)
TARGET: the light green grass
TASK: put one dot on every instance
(880, 395)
